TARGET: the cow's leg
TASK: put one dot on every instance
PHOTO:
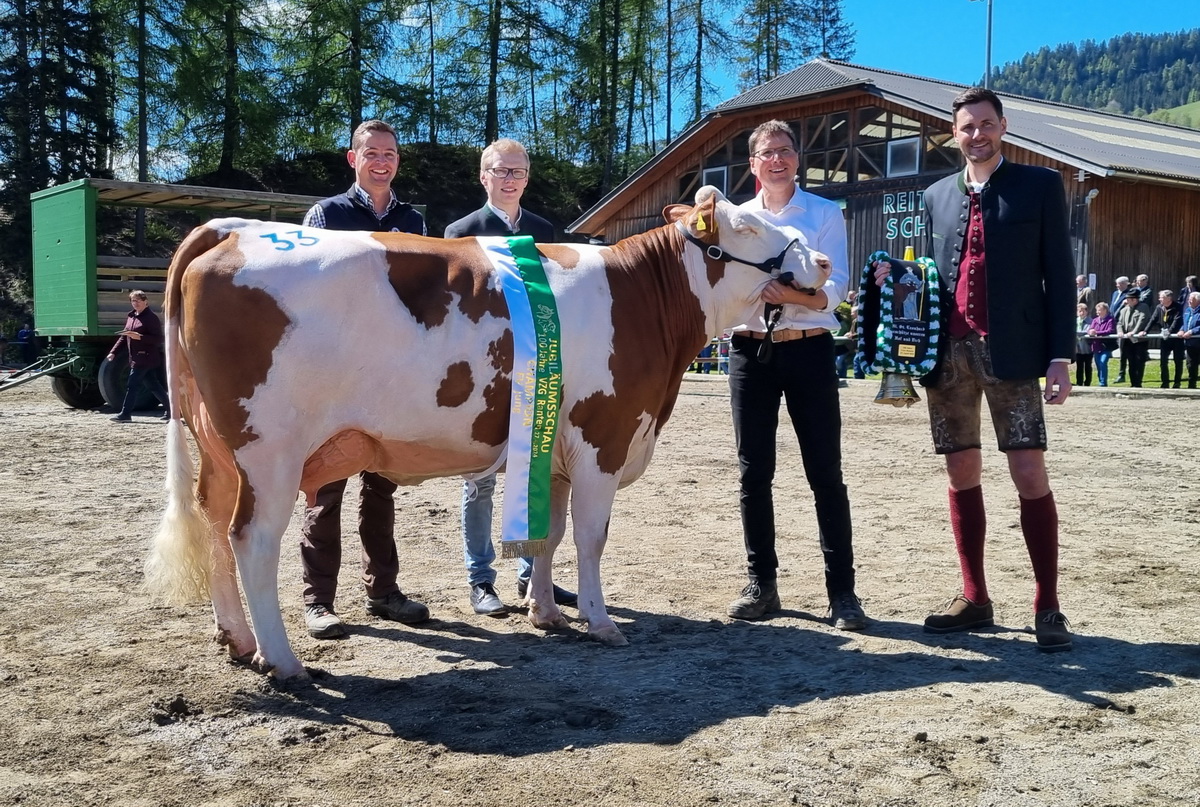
(543, 611)
(264, 506)
(591, 510)
(218, 491)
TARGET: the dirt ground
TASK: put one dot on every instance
(109, 698)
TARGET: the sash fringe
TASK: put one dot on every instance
(510, 550)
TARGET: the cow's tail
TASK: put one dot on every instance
(181, 555)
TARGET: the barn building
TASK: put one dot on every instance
(873, 140)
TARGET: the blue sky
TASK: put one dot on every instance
(946, 39)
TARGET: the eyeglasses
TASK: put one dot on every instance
(503, 173)
(770, 154)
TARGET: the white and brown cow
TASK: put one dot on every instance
(299, 356)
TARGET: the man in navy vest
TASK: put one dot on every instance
(369, 204)
(504, 174)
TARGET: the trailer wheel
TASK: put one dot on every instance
(77, 394)
(113, 378)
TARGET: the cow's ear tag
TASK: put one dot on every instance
(700, 225)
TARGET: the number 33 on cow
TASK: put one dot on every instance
(283, 244)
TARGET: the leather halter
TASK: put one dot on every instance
(772, 266)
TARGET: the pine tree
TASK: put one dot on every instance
(56, 123)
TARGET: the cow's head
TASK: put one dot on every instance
(734, 236)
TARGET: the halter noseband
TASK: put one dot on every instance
(772, 266)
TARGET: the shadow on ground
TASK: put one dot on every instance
(527, 693)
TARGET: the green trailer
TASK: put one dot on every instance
(81, 293)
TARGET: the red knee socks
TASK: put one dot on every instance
(1039, 524)
(969, 523)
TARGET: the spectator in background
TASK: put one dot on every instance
(1145, 292)
(142, 337)
(1085, 294)
(723, 353)
(1190, 284)
(1166, 320)
(1130, 323)
(27, 339)
(1102, 325)
(1115, 304)
(844, 350)
(1190, 333)
(1083, 346)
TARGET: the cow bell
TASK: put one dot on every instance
(897, 389)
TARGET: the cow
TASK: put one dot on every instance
(297, 357)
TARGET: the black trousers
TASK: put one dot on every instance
(1193, 364)
(801, 373)
(1083, 369)
(1170, 348)
(1138, 353)
(148, 376)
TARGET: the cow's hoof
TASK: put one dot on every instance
(547, 618)
(286, 671)
(610, 636)
(300, 680)
(261, 665)
(240, 651)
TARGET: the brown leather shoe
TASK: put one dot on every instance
(960, 614)
(1053, 631)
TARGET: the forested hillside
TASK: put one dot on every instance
(233, 91)
(1135, 74)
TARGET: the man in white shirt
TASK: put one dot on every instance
(799, 370)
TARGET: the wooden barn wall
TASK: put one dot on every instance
(644, 212)
(1127, 229)
(1138, 228)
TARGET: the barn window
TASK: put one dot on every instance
(716, 177)
(902, 157)
(688, 185)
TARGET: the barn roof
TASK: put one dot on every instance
(1100, 143)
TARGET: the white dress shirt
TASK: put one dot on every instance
(820, 225)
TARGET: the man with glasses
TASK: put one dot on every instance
(370, 204)
(504, 174)
(799, 370)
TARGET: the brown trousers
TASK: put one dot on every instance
(321, 540)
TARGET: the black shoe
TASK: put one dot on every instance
(757, 600)
(561, 595)
(166, 416)
(846, 611)
(397, 607)
(1053, 631)
(121, 419)
(486, 601)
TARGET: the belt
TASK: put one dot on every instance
(785, 334)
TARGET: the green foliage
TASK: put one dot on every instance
(1186, 115)
(260, 94)
(55, 119)
(1130, 74)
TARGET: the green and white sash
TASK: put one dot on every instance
(536, 387)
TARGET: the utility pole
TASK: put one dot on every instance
(987, 76)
